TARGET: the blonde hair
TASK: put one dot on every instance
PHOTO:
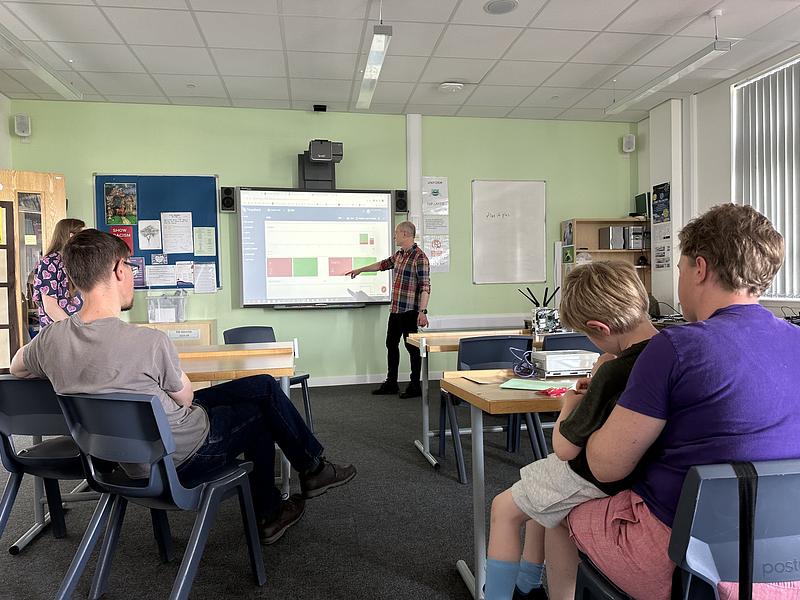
(610, 292)
(408, 227)
(739, 244)
(64, 229)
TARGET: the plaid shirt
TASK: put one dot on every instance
(412, 276)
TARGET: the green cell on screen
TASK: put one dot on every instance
(363, 238)
(363, 261)
(304, 267)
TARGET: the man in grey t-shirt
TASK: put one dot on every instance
(94, 352)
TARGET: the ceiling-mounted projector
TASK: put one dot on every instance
(325, 151)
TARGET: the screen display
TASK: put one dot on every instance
(296, 246)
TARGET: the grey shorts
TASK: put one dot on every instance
(548, 489)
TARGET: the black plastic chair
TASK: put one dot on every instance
(260, 334)
(705, 533)
(482, 352)
(569, 341)
(133, 428)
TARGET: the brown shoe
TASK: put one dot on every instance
(329, 476)
(290, 512)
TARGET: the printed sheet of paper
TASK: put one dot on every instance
(149, 234)
(437, 247)
(435, 224)
(184, 273)
(138, 271)
(176, 233)
(205, 241)
(205, 278)
(160, 275)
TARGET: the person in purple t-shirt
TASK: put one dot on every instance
(718, 390)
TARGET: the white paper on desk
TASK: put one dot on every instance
(149, 235)
(205, 278)
(160, 275)
(184, 272)
(205, 241)
(176, 232)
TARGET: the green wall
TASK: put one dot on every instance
(586, 176)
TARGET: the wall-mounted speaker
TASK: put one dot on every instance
(227, 199)
(628, 142)
(22, 125)
(400, 201)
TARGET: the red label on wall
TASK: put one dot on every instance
(125, 233)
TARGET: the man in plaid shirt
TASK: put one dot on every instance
(411, 289)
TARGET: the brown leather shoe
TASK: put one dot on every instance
(291, 511)
(329, 476)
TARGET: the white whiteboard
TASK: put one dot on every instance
(508, 231)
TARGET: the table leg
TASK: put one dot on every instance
(40, 519)
(424, 446)
(286, 468)
(475, 579)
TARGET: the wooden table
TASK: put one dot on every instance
(430, 342)
(490, 399)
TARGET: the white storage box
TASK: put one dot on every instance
(167, 308)
(563, 363)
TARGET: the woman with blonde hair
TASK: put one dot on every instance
(54, 295)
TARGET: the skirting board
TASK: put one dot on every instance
(360, 379)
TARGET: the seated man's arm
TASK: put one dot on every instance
(18, 368)
(185, 395)
(564, 449)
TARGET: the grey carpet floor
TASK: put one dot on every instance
(396, 531)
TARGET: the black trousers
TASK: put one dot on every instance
(400, 325)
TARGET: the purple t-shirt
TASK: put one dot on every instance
(728, 390)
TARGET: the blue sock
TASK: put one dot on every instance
(530, 576)
(501, 575)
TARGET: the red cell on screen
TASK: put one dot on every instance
(279, 267)
(339, 265)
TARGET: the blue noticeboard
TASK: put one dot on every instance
(121, 201)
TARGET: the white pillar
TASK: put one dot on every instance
(414, 170)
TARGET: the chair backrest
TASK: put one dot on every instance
(125, 428)
(253, 334)
(491, 351)
(705, 533)
(569, 341)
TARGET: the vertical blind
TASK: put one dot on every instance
(767, 162)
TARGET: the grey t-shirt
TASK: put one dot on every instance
(108, 356)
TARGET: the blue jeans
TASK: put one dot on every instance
(250, 416)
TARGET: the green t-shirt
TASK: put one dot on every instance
(599, 400)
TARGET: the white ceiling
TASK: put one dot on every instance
(547, 59)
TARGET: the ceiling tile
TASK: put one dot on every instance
(164, 27)
(470, 41)
(428, 93)
(84, 2)
(20, 95)
(251, 103)
(389, 92)
(323, 35)
(7, 61)
(471, 12)
(600, 99)
(77, 82)
(456, 69)
(123, 84)
(654, 100)
(65, 23)
(109, 58)
(787, 27)
(582, 75)
(199, 101)
(8, 84)
(209, 86)
(257, 88)
(255, 7)
(498, 95)
(740, 18)
(30, 81)
(408, 39)
(582, 114)
(747, 53)
(322, 65)
(173, 4)
(47, 54)
(15, 26)
(432, 110)
(175, 60)
(138, 99)
(519, 72)
(524, 112)
(324, 90)
(249, 63)
(618, 48)
(548, 44)
(93, 98)
(400, 68)
(580, 14)
(657, 16)
(50, 96)
(673, 51)
(628, 116)
(554, 97)
(384, 109)
(634, 77)
(430, 11)
(483, 111)
(257, 32)
(343, 9)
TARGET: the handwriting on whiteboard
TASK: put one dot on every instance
(498, 215)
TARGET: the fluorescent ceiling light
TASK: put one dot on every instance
(381, 36)
(692, 63)
(14, 46)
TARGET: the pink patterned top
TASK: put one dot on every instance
(50, 278)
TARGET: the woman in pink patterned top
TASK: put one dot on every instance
(52, 291)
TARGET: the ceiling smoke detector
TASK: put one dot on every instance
(500, 7)
(451, 87)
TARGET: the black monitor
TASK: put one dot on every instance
(641, 204)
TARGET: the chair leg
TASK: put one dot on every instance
(162, 534)
(88, 542)
(442, 425)
(203, 522)
(540, 435)
(307, 405)
(103, 569)
(451, 412)
(537, 452)
(7, 502)
(53, 494)
(251, 532)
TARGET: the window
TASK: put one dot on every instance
(766, 161)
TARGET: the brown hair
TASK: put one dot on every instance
(90, 256)
(64, 228)
(610, 292)
(739, 244)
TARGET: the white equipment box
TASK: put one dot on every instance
(563, 363)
